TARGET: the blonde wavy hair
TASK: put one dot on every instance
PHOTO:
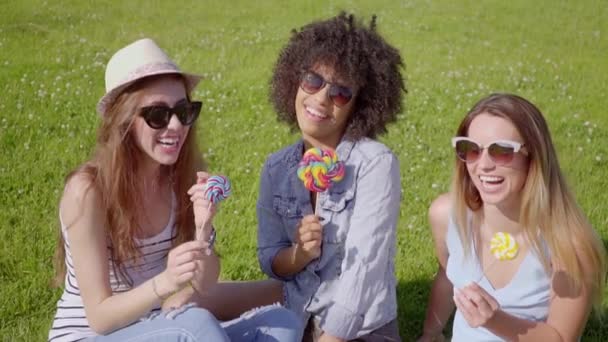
(113, 172)
(548, 210)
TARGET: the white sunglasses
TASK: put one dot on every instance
(500, 151)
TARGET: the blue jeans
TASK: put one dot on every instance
(271, 323)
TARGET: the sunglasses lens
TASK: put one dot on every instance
(188, 113)
(501, 153)
(311, 83)
(467, 151)
(195, 110)
(156, 117)
(340, 95)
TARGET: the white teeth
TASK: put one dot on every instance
(316, 112)
(490, 178)
(168, 141)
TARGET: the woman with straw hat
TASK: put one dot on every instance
(128, 218)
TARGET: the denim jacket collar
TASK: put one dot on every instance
(293, 158)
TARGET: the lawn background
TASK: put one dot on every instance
(52, 59)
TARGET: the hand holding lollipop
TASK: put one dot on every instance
(319, 169)
(504, 247)
(205, 194)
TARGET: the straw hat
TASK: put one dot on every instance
(135, 61)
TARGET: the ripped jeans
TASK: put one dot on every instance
(189, 323)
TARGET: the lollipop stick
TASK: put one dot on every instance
(317, 210)
(485, 269)
(504, 247)
(294, 254)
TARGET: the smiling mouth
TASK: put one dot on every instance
(168, 142)
(491, 180)
(315, 113)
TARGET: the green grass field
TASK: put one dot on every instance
(52, 59)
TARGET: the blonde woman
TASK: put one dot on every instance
(507, 180)
(129, 215)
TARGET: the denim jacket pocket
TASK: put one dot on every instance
(336, 206)
(290, 212)
(337, 201)
(286, 207)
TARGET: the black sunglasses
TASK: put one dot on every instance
(311, 83)
(158, 116)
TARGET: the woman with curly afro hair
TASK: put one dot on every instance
(339, 83)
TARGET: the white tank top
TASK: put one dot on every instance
(70, 323)
(526, 296)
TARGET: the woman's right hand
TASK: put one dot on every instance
(309, 237)
(182, 263)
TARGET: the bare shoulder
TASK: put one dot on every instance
(80, 197)
(439, 214)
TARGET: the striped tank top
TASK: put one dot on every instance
(70, 322)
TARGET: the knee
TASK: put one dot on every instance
(200, 315)
(196, 317)
(279, 316)
(200, 324)
(289, 318)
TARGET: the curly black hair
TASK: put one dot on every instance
(359, 55)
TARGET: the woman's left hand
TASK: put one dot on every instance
(178, 299)
(204, 210)
(475, 304)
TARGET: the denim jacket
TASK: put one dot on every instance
(351, 288)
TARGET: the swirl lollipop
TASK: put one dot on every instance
(504, 246)
(319, 169)
(218, 189)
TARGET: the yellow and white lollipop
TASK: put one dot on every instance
(504, 246)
